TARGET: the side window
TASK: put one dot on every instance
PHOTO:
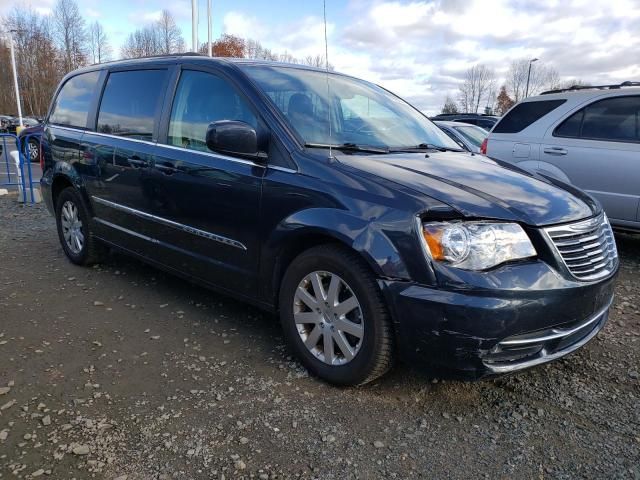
(614, 119)
(524, 114)
(130, 103)
(202, 98)
(571, 126)
(72, 104)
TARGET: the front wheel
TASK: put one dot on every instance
(334, 316)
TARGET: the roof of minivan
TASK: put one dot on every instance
(196, 58)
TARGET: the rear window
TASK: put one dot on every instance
(72, 104)
(524, 114)
(130, 103)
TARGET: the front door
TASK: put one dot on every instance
(206, 204)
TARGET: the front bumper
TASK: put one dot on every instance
(477, 332)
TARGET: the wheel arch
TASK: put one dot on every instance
(62, 180)
(308, 229)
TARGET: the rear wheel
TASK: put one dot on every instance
(74, 229)
(334, 316)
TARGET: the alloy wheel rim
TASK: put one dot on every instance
(328, 318)
(72, 227)
(33, 151)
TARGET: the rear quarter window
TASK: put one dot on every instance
(524, 114)
(71, 108)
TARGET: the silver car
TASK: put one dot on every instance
(589, 137)
(470, 137)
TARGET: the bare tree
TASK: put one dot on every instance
(98, 43)
(36, 59)
(478, 84)
(253, 49)
(69, 28)
(170, 35)
(449, 106)
(542, 78)
(143, 42)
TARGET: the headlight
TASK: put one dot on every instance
(476, 245)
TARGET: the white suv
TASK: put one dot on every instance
(587, 136)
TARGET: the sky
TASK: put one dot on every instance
(417, 49)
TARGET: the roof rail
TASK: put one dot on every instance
(590, 87)
(162, 55)
(464, 113)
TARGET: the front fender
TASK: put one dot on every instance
(380, 241)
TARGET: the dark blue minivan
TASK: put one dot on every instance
(332, 202)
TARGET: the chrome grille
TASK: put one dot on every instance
(588, 248)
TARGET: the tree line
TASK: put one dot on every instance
(47, 47)
(479, 92)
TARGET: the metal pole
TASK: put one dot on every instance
(194, 25)
(526, 93)
(209, 27)
(15, 79)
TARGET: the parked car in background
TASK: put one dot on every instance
(30, 140)
(5, 121)
(586, 136)
(469, 137)
(479, 119)
(372, 236)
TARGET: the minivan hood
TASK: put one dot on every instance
(479, 187)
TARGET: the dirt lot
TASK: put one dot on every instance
(121, 371)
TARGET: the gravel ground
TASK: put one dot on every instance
(123, 372)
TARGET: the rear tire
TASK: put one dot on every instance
(334, 316)
(75, 229)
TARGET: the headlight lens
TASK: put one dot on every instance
(476, 245)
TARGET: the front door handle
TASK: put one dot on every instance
(136, 162)
(555, 151)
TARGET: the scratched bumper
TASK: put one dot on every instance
(474, 333)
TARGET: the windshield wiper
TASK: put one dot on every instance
(349, 147)
(426, 146)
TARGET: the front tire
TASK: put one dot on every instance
(74, 229)
(334, 316)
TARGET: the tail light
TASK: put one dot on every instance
(483, 147)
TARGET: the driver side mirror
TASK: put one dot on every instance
(234, 137)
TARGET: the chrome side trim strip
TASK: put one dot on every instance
(211, 155)
(129, 139)
(126, 230)
(282, 169)
(170, 223)
(181, 149)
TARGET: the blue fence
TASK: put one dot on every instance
(17, 175)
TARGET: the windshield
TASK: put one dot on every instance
(473, 134)
(359, 112)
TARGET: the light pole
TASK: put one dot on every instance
(526, 93)
(209, 27)
(194, 26)
(15, 76)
